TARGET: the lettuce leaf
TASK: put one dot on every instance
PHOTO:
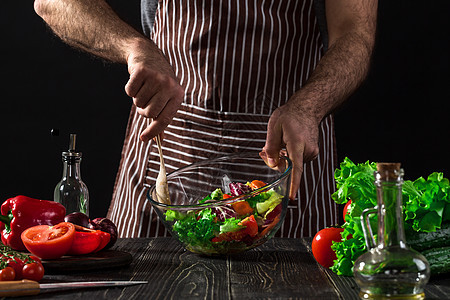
(270, 203)
(231, 225)
(426, 205)
(197, 232)
(426, 202)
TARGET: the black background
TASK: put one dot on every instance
(399, 114)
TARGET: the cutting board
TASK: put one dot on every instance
(93, 261)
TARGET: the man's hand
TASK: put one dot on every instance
(295, 125)
(92, 25)
(299, 133)
(154, 88)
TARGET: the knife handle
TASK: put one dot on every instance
(19, 288)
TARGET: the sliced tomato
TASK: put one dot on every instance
(251, 229)
(242, 208)
(257, 184)
(49, 242)
(251, 225)
(230, 236)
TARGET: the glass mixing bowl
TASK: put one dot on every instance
(225, 205)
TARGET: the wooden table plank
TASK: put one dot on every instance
(279, 269)
(282, 269)
(173, 272)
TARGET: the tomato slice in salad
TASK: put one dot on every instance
(242, 208)
(251, 229)
(256, 184)
(49, 242)
(251, 225)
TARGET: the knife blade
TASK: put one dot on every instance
(29, 287)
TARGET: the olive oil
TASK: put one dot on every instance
(390, 269)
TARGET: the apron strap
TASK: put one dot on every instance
(148, 13)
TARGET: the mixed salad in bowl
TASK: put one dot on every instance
(232, 226)
(216, 208)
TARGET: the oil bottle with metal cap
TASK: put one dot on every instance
(71, 191)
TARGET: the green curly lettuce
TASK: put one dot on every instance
(196, 229)
(426, 206)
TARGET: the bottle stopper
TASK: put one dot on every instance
(389, 171)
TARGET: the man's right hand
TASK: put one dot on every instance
(92, 25)
(155, 90)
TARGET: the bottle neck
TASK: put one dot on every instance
(71, 167)
(390, 222)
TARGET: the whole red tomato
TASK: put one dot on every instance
(7, 274)
(17, 264)
(49, 242)
(346, 208)
(321, 245)
(33, 271)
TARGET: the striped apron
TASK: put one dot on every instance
(238, 61)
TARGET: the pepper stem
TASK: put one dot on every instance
(6, 219)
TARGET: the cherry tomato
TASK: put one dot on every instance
(346, 208)
(35, 258)
(321, 245)
(7, 274)
(17, 264)
(49, 242)
(33, 271)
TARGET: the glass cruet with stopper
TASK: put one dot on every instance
(390, 269)
(71, 191)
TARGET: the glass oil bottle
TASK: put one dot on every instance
(390, 269)
(71, 191)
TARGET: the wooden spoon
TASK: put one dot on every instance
(162, 189)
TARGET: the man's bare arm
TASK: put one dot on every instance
(351, 32)
(295, 125)
(92, 25)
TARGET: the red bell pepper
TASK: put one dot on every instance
(88, 241)
(21, 212)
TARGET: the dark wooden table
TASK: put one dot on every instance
(279, 269)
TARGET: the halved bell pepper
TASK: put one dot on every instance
(88, 241)
(21, 212)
